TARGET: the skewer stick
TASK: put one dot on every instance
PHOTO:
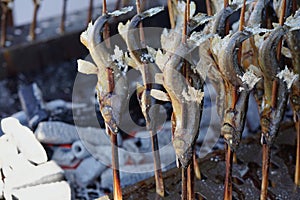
(117, 190)
(228, 176)
(196, 167)
(3, 23)
(33, 23)
(266, 148)
(281, 22)
(190, 182)
(208, 8)
(265, 171)
(171, 14)
(160, 190)
(90, 13)
(184, 183)
(63, 17)
(297, 167)
(106, 27)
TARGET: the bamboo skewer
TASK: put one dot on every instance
(187, 177)
(4, 8)
(171, 14)
(33, 23)
(184, 183)
(297, 166)
(160, 190)
(117, 190)
(208, 8)
(90, 12)
(63, 17)
(230, 155)
(228, 176)
(266, 148)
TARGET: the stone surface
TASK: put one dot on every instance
(58, 190)
(25, 140)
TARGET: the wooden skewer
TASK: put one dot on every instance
(196, 167)
(171, 14)
(228, 176)
(266, 148)
(208, 8)
(190, 182)
(297, 167)
(265, 171)
(63, 17)
(106, 27)
(183, 183)
(90, 13)
(160, 190)
(3, 23)
(33, 23)
(281, 22)
(117, 190)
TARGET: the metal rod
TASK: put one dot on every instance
(33, 23)
(63, 17)
(183, 183)
(228, 177)
(265, 171)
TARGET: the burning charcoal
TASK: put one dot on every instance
(57, 190)
(33, 105)
(88, 170)
(25, 140)
(79, 150)
(64, 157)
(45, 173)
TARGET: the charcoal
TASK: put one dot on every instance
(45, 173)
(33, 105)
(64, 157)
(50, 191)
(88, 170)
(79, 150)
